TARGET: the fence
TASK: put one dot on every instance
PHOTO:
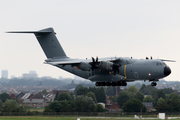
(76, 114)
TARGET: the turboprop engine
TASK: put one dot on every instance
(84, 66)
(106, 65)
(110, 66)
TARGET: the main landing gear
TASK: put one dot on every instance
(122, 83)
(153, 84)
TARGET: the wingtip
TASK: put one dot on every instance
(168, 60)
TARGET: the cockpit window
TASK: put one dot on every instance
(160, 64)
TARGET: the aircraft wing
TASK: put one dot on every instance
(167, 60)
(70, 61)
(64, 62)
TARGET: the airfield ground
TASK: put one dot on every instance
(69, 118)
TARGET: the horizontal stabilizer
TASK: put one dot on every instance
(44, 31)
(27, 32)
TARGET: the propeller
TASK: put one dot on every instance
(115, 68)
(94, 63)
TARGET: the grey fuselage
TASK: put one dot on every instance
(130, 70)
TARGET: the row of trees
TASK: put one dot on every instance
(12, 106)
(82, 103)
(170, 104)
(99, 92)
(85, 99)
(131, 99)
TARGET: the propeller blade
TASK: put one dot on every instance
(94, 63)
(96, 59)
(93, 60)
(115, 68)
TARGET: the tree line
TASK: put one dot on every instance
(10, 105)
(81, 103)
(130, 99)
(163, 100)
(85, 99)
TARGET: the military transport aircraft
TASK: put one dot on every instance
(111, 71)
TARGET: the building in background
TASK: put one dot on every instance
(13, 76)
(31, 74)
(4, 74)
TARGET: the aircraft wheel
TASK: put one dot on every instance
(119, 83)
(153, 84)
(124, 83)
(97, 84)
(108, 84)
(114, 84)
(103, 84)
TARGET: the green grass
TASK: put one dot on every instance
(63, 118)
(57, 118)
(36, 109)
(35, 118)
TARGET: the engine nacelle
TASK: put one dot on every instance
(84, 66)
(105, 65)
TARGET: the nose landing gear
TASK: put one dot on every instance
(153, 84)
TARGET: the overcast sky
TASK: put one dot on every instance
(87, 28)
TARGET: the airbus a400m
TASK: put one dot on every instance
(111, 71)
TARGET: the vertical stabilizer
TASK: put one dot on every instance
(49, 43)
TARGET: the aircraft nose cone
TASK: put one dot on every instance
(167, 71)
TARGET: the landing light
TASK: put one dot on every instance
(149, 74)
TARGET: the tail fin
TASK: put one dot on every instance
(49, 43)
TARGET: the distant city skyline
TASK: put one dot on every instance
(32, 74)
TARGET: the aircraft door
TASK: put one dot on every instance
(136, 75)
